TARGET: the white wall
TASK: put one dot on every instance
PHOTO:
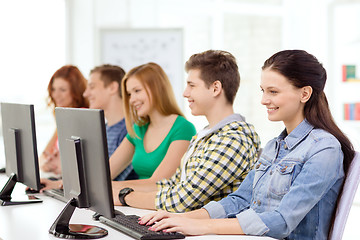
(251, 30)
(345, 45)
(38, 41)
(31, 49)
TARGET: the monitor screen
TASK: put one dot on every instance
(84, 159)
(18, 124)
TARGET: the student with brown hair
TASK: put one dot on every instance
(66, 88)
(293, 189)
(219, 156)
(104, 92)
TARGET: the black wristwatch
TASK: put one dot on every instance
(123, 192)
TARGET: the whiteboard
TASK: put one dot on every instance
(129, 48)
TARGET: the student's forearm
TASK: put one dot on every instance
(227, 226)
(199, 214)
(116, 168)
(141, 185)
(121, 158)
(193, 226)
(51, 143)
(145, 200)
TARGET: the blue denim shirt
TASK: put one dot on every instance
(292, 191)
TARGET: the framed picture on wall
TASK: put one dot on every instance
(129, 48)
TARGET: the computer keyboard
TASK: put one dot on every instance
(129, 225)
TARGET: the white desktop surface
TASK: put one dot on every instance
(32, 221)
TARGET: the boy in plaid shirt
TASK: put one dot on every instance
(219, 156)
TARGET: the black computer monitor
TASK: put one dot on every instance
(18, 124)
(85, 169)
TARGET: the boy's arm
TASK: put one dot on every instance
(222, 160)
(141, 198)
(144, 200)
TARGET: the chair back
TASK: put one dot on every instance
(346, 199)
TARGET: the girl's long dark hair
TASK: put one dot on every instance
(303, 69)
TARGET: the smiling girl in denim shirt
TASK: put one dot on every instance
(292, 191)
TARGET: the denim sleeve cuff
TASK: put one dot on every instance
(251, 223)
(215, 210)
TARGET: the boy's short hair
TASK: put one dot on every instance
(110, 73)
(217, 65)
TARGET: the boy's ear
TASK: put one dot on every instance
(113, 87)
(306, 93)
(217, 87)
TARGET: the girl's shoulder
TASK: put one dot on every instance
(182, 128)
(321, 135)
(183, 122)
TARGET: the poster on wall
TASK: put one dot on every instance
(129, 48)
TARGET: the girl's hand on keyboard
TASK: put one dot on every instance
(184, 225)
(151, 218)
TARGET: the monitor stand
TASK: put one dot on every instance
(5, 194)
(62, 229)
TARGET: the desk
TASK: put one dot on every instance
(34, 220)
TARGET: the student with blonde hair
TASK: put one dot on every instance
(158, 134)
(219, 156)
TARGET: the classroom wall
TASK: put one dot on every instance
(31, 49)
(42, 36)
(252, 32)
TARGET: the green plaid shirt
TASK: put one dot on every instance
(219, 163)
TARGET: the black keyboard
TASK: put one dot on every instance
(129, 225)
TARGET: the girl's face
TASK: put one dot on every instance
(284, 102)
(60, 92)
(138, 98)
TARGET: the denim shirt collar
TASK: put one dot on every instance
(296, 135)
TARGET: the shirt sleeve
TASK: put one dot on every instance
(235, 202)
(168, 182)
(138, 135)
(225, 157)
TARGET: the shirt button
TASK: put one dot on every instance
(283, 169)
